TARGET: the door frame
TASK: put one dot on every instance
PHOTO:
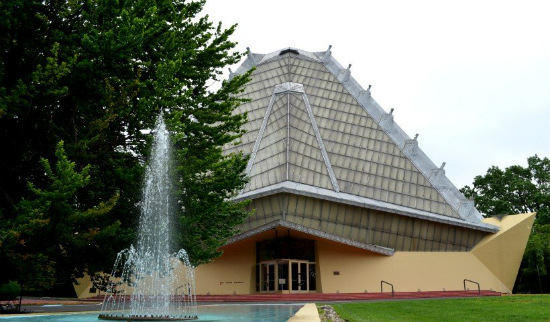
(301, 272)
(269, 275)
(265, 276)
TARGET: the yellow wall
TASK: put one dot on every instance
(83, 286)
(232, 272)
(359, 270)
(502, 252)
(407, 271)
(493, 263)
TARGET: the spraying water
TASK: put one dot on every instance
(149, 282)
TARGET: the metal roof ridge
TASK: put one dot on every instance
(254, 59)
(433, 174)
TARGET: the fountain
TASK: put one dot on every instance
(148, 283)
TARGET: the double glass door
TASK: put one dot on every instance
(287, 275)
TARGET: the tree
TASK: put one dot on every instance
(533, 275)
(514, 190)
(93, 73)
(52, 234)
(520, 190)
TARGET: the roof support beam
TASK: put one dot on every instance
(260, 135)
(321, 144)
(289, 88)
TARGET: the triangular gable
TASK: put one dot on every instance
(288, 145)
(314, 232)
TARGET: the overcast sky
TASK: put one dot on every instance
(472, 78)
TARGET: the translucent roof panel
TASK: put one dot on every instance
(306, 163)
(311, 123)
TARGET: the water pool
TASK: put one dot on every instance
(207, 312)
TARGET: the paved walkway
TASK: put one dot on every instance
(308, 313)
(50, 304)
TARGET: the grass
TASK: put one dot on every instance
(520, 308)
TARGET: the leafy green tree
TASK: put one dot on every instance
(514, 190)
(533, 276)
(521, 190)
(93, 73)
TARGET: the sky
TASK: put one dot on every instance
(472, 78)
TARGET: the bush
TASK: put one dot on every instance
(9, 291)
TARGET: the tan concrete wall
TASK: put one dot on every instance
(83, 286)
(233, 272)
(358, 270)
(502, 252)
(407, 271)
(493, 263)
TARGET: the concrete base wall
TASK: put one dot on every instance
(233, 272)
(493, 263)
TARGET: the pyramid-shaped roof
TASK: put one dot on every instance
(314, 131)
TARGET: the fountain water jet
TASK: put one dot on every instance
(148, 283)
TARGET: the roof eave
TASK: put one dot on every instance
(362, 202)
(310, 231)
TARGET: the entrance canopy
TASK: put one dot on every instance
(312, 232)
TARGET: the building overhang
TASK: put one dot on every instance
(314, 232)
(348, 199)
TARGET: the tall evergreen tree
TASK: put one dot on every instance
(93, 73)
(52, 235)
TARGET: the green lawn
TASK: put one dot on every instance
(521, 308)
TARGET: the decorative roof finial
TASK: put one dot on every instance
(442, 165)
(251, 56)
(411, 146)
(231, 74)
(345, 74)
(386, 121)
(326, 55)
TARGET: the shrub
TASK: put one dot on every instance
(9, 291)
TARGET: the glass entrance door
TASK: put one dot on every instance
(286, 275)
(282, 272)
(267, 277)
(299, 272)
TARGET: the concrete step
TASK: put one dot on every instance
(327, 297)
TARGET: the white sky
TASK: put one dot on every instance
(471, 77)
